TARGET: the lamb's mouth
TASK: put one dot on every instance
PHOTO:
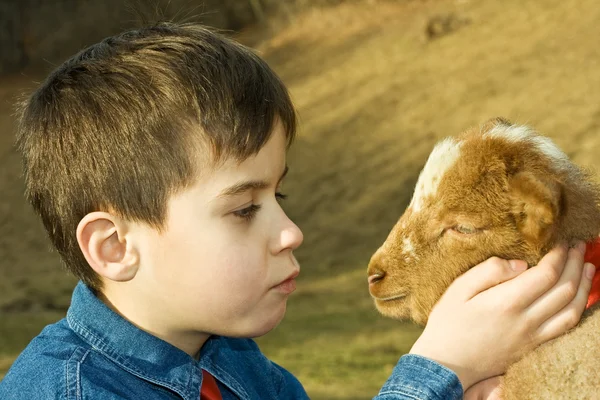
(390, 298)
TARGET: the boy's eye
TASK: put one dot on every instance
(247, 213)
(280, 196)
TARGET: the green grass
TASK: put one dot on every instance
(27, 325)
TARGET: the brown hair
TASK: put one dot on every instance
(113, 128)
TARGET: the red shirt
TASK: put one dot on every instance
(592, 255)
(209, 390)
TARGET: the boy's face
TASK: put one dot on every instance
(224, 263)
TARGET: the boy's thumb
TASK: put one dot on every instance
(485, 275)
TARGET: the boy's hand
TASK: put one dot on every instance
(488, 389)
(497, 311)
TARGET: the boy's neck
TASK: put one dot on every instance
(186, 341)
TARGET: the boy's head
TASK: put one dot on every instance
(157, 155)
(127, 123)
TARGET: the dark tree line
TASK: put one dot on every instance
(42, 32)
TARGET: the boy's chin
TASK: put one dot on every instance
(265, 326)
(257, 323)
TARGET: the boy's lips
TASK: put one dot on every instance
(288, 285)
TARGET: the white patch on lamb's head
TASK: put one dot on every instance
(513, 133)
(516, 134)
(407, 246)
(443, 156)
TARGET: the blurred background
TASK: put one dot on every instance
(376, 84)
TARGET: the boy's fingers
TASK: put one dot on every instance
(536, 281)
(565, 292)
(569, 316)
(484, 276)
(489, 389)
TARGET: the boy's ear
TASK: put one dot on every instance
(535, 205)
(101, 237)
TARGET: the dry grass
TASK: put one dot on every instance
(373, 96)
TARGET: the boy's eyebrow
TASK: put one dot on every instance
(244, 186)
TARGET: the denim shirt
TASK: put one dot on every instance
(94, 353)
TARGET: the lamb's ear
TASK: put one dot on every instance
(535, 205)
(499, 121)
(494, 122)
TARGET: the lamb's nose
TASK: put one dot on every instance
(376, 276)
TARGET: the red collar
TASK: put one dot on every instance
(592, 255)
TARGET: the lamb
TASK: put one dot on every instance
(497, 190)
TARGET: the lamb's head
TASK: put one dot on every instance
(497, 190)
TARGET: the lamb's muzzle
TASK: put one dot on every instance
(375, 276)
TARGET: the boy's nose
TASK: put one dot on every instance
(290, 236)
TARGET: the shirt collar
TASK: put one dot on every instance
(135, 350)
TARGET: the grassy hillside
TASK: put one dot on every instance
(374, 94)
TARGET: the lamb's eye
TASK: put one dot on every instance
(465, 230)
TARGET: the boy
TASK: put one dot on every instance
(154, 159)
